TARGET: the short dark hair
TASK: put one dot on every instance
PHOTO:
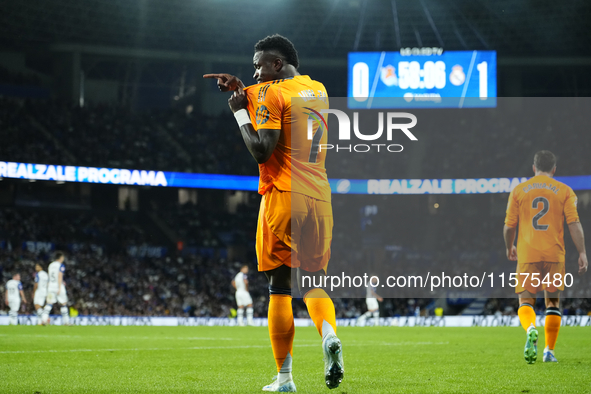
(58, 255)
(280, 45)
(544, 161)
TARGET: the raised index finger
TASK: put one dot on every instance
(213, 76)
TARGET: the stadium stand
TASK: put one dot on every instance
(8, 77)
(54, 132)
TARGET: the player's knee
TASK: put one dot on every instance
(276, 290)
(552, 303)
(524, 300)
(280, 277)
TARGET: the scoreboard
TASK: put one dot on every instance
(452, 79)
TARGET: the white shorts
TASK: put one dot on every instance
(62, 298)
(39, 298)
(14, 305)
(372, 304)
(243, 298)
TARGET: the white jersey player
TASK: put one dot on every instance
(243, 298)
(13, 297)
(40, 291)
(56, 291)
(373, 307)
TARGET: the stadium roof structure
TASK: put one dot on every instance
(319, 28)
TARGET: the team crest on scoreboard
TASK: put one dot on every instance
(457, 75)
(388, 76)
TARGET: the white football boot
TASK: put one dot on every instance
(285, 387)
(334, 368)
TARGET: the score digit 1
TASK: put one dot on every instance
(483, 73)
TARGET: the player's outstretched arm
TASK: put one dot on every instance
(226, 82)
(260, 143)
(576, 233)
(509, 235)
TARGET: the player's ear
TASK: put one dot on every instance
(278, 64)
(533, 168)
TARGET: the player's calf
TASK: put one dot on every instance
(65, 315)
(39, 313)
(249, 316)
(13, 318)
(240, 316)
(45, 315)
(376, 318)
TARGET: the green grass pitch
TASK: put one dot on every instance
(239, 360)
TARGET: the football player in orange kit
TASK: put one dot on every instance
(295, 218)
(540, 207)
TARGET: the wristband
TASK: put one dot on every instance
(242, 117)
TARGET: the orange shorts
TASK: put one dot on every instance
(295, 230)
(544, 272)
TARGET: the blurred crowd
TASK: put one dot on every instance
(197, 226)
(119, 284)
(104, 278)
(502, 142)
(477, 143)
(112, 231)
(53, 132)
(194, 285)
(22, 139)
(18, 78)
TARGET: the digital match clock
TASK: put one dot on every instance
(452, 79)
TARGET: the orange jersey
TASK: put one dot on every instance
(540, 206)
(296, 165)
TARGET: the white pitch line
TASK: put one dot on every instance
(208, 348)
(118, 337)
(412, 343)
(138, 337)
(138, 349)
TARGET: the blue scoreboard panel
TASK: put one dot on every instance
(452, 79)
